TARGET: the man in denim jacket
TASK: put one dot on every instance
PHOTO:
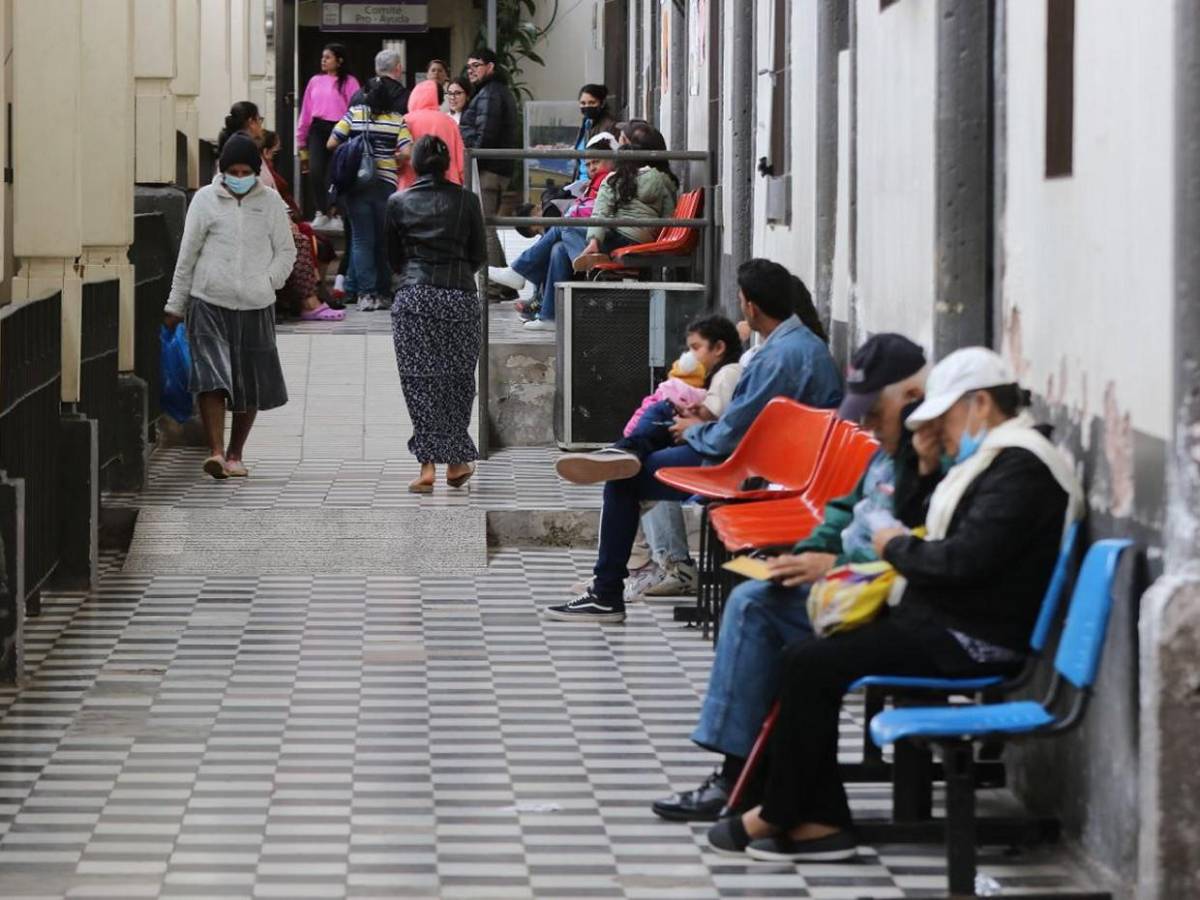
(792, 362)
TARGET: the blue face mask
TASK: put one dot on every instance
(969, 444)
(240, 184)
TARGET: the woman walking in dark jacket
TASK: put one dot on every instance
(436, 244)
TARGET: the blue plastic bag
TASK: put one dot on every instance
(176, 371)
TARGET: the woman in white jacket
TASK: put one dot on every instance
(237, 251)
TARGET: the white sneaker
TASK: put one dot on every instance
(334, 223)
(679, 580)
(506, 277)
(540, 325)
(592, 468)
(641, 579)
(366, 303)
(320, 222)
(339, 284)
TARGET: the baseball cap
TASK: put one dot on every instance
(963, 371)
(884, 359)
(602, 140)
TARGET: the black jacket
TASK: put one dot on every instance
(987, 577)
(435, 235)
(397, 94)
(490, 122)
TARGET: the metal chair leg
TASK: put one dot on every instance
(912, 782)
(959, 763)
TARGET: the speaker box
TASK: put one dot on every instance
(615, 342)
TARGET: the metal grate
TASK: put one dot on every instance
(30, 392)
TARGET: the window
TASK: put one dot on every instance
(1060, 87)
(781, 82)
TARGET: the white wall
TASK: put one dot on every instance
(215, 85)
(573, 51)
(897, 95)
(793, 245)
(1088, 258)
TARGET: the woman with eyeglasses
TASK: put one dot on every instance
(458, 95)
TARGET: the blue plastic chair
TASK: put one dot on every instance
(1037, 641)
(956, 728)
(911, 771)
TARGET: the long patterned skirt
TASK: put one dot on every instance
(436, 334)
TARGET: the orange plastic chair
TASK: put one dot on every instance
(779, 523)
(782, 446)
(673, 240)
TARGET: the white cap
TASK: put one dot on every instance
(602, 137)
(963, 371)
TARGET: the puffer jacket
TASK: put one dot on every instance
(435, 235)
(986, 578)
(235, 252)
(655, 199)
(490, 121)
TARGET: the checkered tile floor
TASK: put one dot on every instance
(401, 736)
(407, 735)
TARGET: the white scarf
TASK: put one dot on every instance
(1016, 432)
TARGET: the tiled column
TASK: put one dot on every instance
(186, 85)
(154, 69)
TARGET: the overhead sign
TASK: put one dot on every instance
(382, 15)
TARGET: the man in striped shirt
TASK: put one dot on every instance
(389, 144)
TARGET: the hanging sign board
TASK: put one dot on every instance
(382, 15)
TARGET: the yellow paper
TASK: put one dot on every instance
(749, 567)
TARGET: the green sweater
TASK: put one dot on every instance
(655, 200)
(911, 500)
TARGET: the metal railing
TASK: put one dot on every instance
(704, 222)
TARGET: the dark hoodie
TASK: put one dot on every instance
(397, 94)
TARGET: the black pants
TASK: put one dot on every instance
(804, 784)
(318, 162)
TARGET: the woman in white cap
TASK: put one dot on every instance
(974, 586)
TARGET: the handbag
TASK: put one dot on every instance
(852, 595)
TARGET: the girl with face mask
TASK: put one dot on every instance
(594, 118)
(237, 251)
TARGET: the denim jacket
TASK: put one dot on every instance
(793, 362)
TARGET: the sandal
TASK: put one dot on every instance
(215, 466)
(459, 480)
(585, 261)
(323, 313)
(235, 468)
(420, 487)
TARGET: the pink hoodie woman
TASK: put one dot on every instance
(424, 117)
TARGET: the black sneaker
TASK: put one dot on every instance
(703, 804)
(587, 607)
(841, 845)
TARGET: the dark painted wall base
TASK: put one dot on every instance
(128, 472)
(12, 544)
(79, 499)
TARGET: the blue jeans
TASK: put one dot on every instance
(621, 511)
(552, 259)
(666, 533)
(534, 263)
(368, 208)
(652, 431)
(761, 619)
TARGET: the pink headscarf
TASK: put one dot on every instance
(424, 118)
